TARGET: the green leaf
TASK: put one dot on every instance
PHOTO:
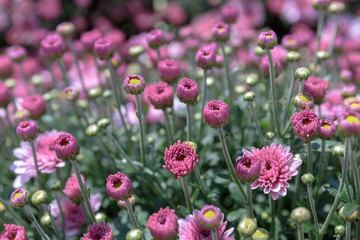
(333, 192)
(308, 227)
(235, 215)
(195, 195)
(350, 208)
(334, 184)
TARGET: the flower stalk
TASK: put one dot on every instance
(185, 188)
(38, 181)
(142, 140)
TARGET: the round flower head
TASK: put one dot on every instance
(134, 234)
(21, 115)
(134, 84)
(290, 42)
(161, 95)
(72, 189)
(5, 95)
(13, 232)
(303, 100)
(205, 58)
(27, 130)
(353, 106)
(327, 129)
(6, 67)
(39, 197)
(346, 75)
(260, 234)
(65, 29)
(187, 91)
(19, 198)
(293, 56)
(247, 167)
(155, 38)
(349, 123)
(16, 53)
(300, 215)
(267, 40)
(210, 217)
(229, 13)
(104, 48)
(118, 186)
(66, 147)
(221, 32)
(35, 104)
(169, 70)
(122, 203)
(320, 4)
(302, 73)
(348, 91)
(53, 46)
(277, 167)
(216, 113)
(89, 38)
(180, 159)
(247, 226)
(71, 94)
(305, 124)
(163, 225)
(99, 231)
(316, 87)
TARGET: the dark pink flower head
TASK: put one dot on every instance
(122, 203)
(163, 225)
(316, 87)
(205, 58)
(247, 167)
(305, 124)
(187, 91)
(118, 186)
(267, 40)
(16, 53)
(185, 32)
(229, 13)
(72, 189)
(221, 32)
(353, 106)
(161, 95)
(6, 67)
(71, 94)
(155, 38)
(175, 13)
(13, 232)
(290, 42)
(346, 75)
(277, 167)
(327, 129)
(53, 46)
(348, 91)
(349, 123)
(210, 217)
(66, 147)
(117, 37)
(99, 231)
(19, 198)
(169, 70)
(35, 104)
(89, 38)
(104, 48)
(180, 159)
(27, 130)
(5, 96)
(134, 84)
(216, 113)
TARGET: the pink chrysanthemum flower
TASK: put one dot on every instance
(163, 224)
(277, 167)
(187, 91)
(349, 123)
(27, 130)
(169, 70)
(24, 167)
(72, 189)
(316, 87)
(247, 167)
(161, 95)
(66, 147)
(13, 232)
(305, 124)
(99, 231)
(118, 186)
(216, 113)
(35, 104)
(180, 159)
(190, 229)
(327, 129)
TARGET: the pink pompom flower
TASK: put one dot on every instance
(210, 217)
(216, 113)
(187, 91)
(27, 130)
(163, 224)
(35, 104)
(66, 147)
(353, 106)
(155, 38)
(53, 46)
(13, 232)
(72, 189)
(161, 95)
(180, 159)
(229, 13)
(267, 40)
(221, 32)
(305, 124)
(98, 231)
(169, 70)
(316, 87)
(290, 42)
(327, 129)
(16, 53)
(205, 58)
(104, 48)
(118, 186)
(89, 38)
(277, 167)
(247, 167)
(19, 198)
(134, 84)
(349, 123)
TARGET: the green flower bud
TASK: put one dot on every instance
(240, 89)
(134, 234)
(45, 220)
(264, 216)
(10, 83)
(37, 79)
(293, 56)
(210, 81)
(260, 234)
(322, 55)
(338, 150)
(270, 135)
(259, 51)
(252, 79)
(2, 207)
(340, 230)
(39, 197)
(135, 139)
(297, 155)
(300, 215)
(83, 103)
(336, 7)
(95, 92)
(100, 217)
(249, 96)
(352, 218)
(136, 51)
(104, 123)
(150, 140)
(247, 226)
(107, 94)
(307, 178)
(302, 73)
(193, 145)
(92, 130)
(53, 184)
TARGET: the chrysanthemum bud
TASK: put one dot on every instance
(336, 7)
(66, 147)
(300, 215)
(307, 178)
(205, 58)
(302, 73)
(100, 217)
(322, 55)
(267, 40)
(293, 56)
(155, 38)
(107, 94)
(269, 135)
(104, 48)
(71, 94)
(134, 84)
(340, 230)
(303, 100)
(92, 130)
(327, 129)
(252, 79)
(134, 139)
(259, 51)
(260, 234)
(118, 186)
(65, 29)
(320, 4)
(210, 217)
(187, 91)
(16, 53)
(45, 220)
(351, 218)
(221, 32)
(27, 130)
(39, 197)
(150, 140)
(104, 123)
(122, 203)
(241, 89)
(10, 83)
(2, 207)
(249, 96)
(216, 113)
(135, 234)
(53, 184)
(348, 91)
(136, 51)
(349, 124)
(193, 145)
(20, 197)
(95, 92)
(338, 150)
(37, 79)
(247, 226)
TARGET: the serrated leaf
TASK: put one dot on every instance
(334, 184)
(235, 215)
(195, 195)
(350, 208)
(308, 227)
(333, 192)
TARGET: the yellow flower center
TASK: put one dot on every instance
(350, 99)
(117, 185)
(352, 119)
(354, 104)
(17, 195)
(259, 234)
(326, 125)
(304, 98)
(209, 214)
(134, 81)
(68, 93)
(291, 41)
(221, 29)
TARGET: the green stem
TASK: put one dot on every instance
(76, 60)
(36, 223)
(158, 55)
(86, 213)
(322, 167)
(200, 181)
(168, 128)
(63, 71)
(249, 200)
(312, 206)
(62, 216)
(98, 69)
(185, 188)
(301, 87)
(131, 213)
(273, 223)
(273, 91)
(258, 128)
(227, 69)
(38, 181)
(214, 235)
(355, 169)
(333, 39)
(323, 69)
(188, 121)
(292, 81)
(47, 210)
(348, 230)
(320, 25)
(309, 157)
(142, 137)
(13, 213)
(203, 104)
(83, 190)
(300, 231)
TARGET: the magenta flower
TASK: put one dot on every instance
(118, 186)
(348, 90)
(122, 203)
(134, 84)
(316, 87)
(229, 13)
(187, 91)
(89, 38)
(53, 46)
(16, 53)
(247, 167)
(71, 94)
(48, 163)
(35, 104)
(190, 229)
(155, 38)
(267, 40)
(277, 167)
(104, 48)
(5, 96)
(349, 123)
(353, 106)
(6, 66)
(305, 124)
(161, 95)
(216, 113)
(290, 42)
(303, 100)
(163, 225)
(27, 130)
(13, 232)
(180, 159)
(221, 32)
(205, 58)
(99, 231)
(66, 147)
(210, 217)
(327, 129)
(169, 70)
(72, 189)
(19, 198)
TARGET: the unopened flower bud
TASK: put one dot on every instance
(107, 94)
(307, 178)
(53, 184)
(247, 226)
(150, 140)
(134, 84)
(302, 73)
(104, 123)
(303, 100)
(95, 92)
(297, 155)
(336, 7)
(300, 215)
(252, 79)
(134, 139)
(322, 55)
(45, 220)
(267, 40)
(351, 218)
(20, 197)
(71, 94)
(249, 96)
(259, 51)
(269, 135)
(100, 217)
(39, 197)
(293, 56)
(92, 130)
(136, 51)
(260, 234)
(134, 234)
(65, 29)
(122, 203)
(338, 150)
(240, 89)
(340, 230)
(37, 80)
(27, 130)
(2, 207)
(193, 145)
(10, 83)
